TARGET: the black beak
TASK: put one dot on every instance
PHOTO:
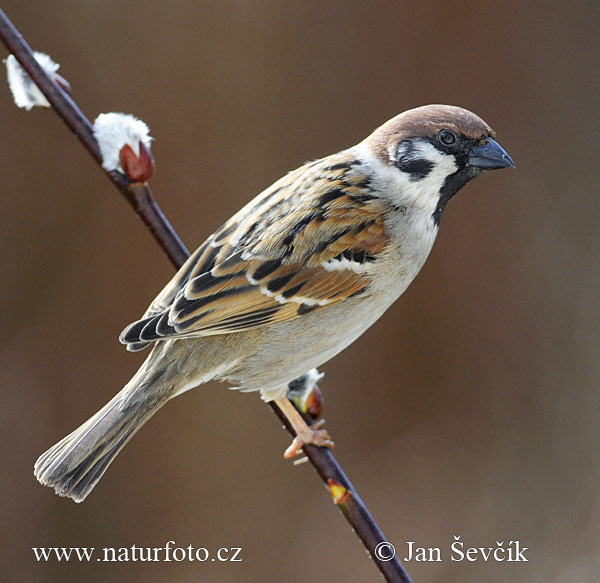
(489, 155)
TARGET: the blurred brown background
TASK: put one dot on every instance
(471, 408)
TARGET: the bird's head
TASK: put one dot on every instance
(437, 149)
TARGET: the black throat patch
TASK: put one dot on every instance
(451, 186)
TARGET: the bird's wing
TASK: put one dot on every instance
(307, 242)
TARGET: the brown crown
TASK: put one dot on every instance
(426, 121)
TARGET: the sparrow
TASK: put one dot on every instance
(290, 280)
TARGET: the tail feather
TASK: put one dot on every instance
(75, 464)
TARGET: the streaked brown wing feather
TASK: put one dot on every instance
(265, 265)
(246, 302)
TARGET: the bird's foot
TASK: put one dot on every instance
(309, 436)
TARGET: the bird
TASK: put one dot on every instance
(290, 280)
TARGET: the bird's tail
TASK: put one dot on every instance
(75, 464)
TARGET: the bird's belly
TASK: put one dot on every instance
(289, 349)
(284, 351)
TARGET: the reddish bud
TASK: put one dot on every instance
(313, 404)
(136, 168)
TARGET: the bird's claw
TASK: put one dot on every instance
(316, 436)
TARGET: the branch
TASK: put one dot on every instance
(141, 199)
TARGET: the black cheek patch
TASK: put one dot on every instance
(409, 163)
(416, 168)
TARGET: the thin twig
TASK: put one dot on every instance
(67, 109)
(141, 199)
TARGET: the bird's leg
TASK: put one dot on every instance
(304, 434)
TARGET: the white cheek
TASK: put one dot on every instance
(420, 194)
(413, 227)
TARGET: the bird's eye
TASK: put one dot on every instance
(446, 137)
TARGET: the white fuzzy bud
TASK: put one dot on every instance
(25, 92)
(113, 131)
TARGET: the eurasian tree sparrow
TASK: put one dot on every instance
(291, 279)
